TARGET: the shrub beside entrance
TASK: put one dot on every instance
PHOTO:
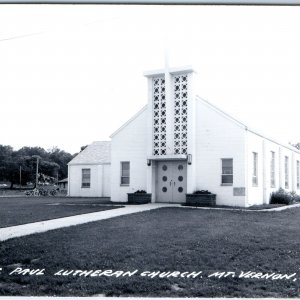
(139, 197)
(283, 197)
(201, 198)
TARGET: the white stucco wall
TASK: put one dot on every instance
(263, 147)
(106, 180)
(294, 172)
(218, 137)
(100, 181)
(129, 144)
(255, 192)
(293, 157)
(286, 152)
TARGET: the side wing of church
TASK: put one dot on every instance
(89, 171)
(180, 143)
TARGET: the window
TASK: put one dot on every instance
(227, 171)
(272, 170)
(125, 173)
(86, 178)
(254, 173)
(286, 172)
(298, 174)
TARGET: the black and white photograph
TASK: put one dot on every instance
(150, 151)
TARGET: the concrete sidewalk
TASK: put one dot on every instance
(43, 226)
(281, 208)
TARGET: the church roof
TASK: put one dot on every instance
(244, 126)
(95, 153)
(129, 121)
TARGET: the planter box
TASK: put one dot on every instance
(201, 199)
(139, 198)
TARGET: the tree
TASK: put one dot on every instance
(296, 145)
(5, 159)
(82, 148)
(26, 164)
(30, 151)
(62, 159)
(52, 163)
(13, 171)
(49, 168)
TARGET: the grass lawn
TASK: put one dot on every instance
(22, 210)
(8, 192)
(166, 239)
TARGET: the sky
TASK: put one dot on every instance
(71, 74)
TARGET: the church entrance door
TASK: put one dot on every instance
(171, 181)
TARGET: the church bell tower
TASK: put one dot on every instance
(170, 128)
(171, 109)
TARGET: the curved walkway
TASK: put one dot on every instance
(43, 226)
(247, 209)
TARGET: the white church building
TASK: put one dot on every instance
(178, 144)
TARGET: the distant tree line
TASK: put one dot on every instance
(52, 163)
(296, 145)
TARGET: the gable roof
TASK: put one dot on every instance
(96, 153)
(224, 114)
(129, 121)
(241, 124)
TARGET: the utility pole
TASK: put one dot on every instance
(20, 176)
(37, 169)
(37, 172)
